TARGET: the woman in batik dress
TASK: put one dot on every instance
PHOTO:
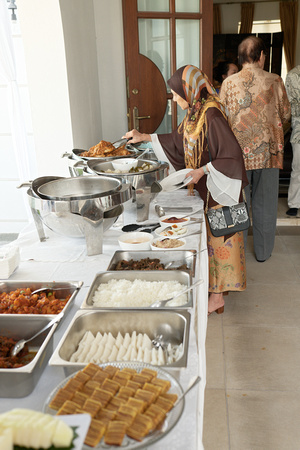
(205, 143)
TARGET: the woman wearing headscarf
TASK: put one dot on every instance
(205, 143)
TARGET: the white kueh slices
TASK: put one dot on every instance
(104, 348)
(138, 293)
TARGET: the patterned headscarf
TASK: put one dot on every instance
(192, 85)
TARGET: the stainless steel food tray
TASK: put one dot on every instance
(181, 276)
(70, 288)
(20, 382)
(173, 325)
(164, 257)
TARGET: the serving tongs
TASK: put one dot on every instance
(120, 142)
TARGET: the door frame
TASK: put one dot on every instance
(131, 43)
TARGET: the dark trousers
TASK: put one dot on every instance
(262, 195)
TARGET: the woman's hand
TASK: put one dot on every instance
(135, 137)
(196, 174)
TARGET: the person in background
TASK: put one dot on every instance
(205, 125)
(221, 71)
(292, 85)
(258, 107)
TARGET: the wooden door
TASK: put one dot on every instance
(149, 105)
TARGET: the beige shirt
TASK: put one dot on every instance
(258, 107)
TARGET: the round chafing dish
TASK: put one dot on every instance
(78, 188)
(145, 184)
(81, 216)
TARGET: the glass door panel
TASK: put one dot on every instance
(154, 42)
(166, 124)
(188, 6)
(153, 5)
(187, 42)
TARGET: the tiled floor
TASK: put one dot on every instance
(252, 398)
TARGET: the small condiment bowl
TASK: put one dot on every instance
(171, 242)
(124, 164)
(135, 240)
(167, 220)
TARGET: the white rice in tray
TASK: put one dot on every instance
(138, 293)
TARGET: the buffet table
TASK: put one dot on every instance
(64, 259)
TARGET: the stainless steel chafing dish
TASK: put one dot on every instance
(173, 325)
(20, 382)
(62, 290)
(79, 207)
(151, 275)
(180, 257)
(145, 184)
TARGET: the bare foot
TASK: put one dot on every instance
(215, 302)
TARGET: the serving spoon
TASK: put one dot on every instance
(20, 344)
(160, 303)
(52, 289)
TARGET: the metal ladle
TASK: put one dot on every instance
(160, 303)
(20, 344)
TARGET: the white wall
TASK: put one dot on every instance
(78, 21)
(43, 39)
(111, 68)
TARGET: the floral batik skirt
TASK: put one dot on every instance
(227, 269)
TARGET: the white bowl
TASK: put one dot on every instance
(169, 223)
(124, 164)
(171, 242)
(135, 240)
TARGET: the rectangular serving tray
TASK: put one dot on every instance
(20, 382)
(164, 257)
(174, 325)
(180, 276)
(69, 288)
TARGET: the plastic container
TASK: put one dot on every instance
(9, 260)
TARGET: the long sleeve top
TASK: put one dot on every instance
(258, 107)
(227, 171)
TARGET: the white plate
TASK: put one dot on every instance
(81, 422)
(170, 183)
(175, 234)
(130, 444)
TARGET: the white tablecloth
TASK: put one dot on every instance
(63, 259)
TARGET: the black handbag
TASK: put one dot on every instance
(227, 219)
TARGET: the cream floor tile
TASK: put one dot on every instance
(215, 430)
(266, 358)
(263, 420)
(279, 245)
(292, 244)
(278, 269)
(288, 231)
(264, 304)
(296, 262)
(215, 375)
